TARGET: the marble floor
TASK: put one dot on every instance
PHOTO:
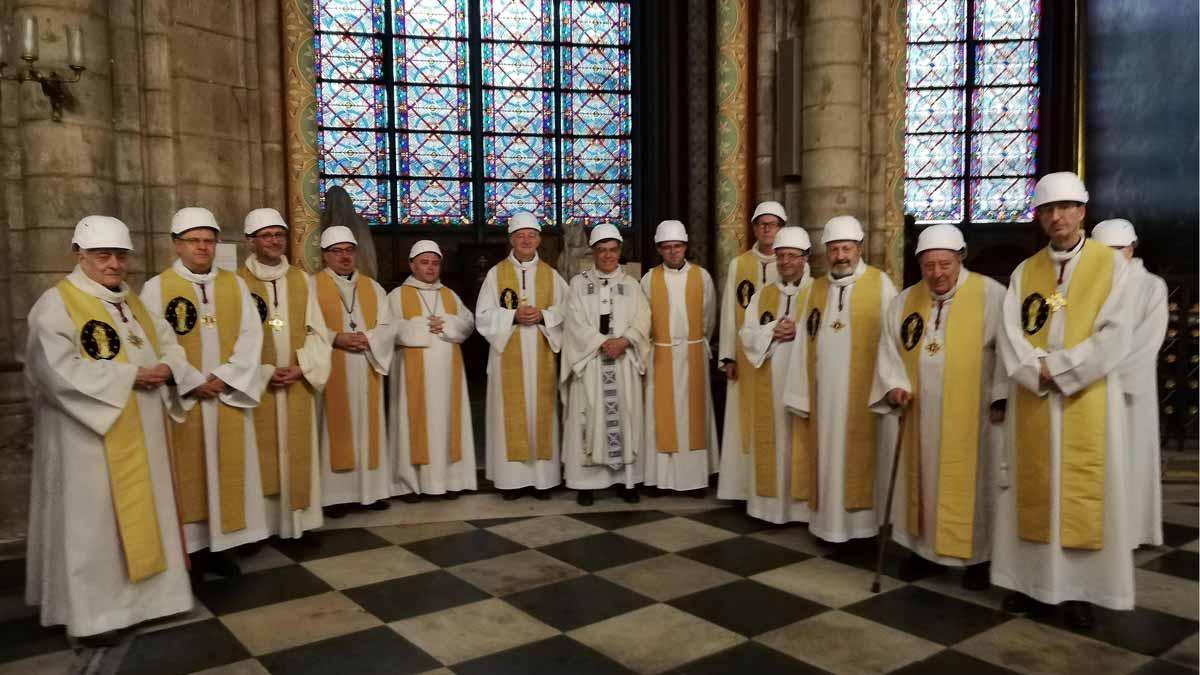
(481, 586)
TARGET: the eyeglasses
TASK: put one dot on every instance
(193, 241)
(340, 251)
(270, 235)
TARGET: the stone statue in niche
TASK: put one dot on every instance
(575, 256)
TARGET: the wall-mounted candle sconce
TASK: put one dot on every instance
(54, 84)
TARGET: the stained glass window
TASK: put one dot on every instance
(425, 123)
(972, 110)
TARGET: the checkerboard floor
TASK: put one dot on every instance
(657, 590)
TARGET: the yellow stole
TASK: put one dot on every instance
(860, 427)
(299, 396)
(337, 388)
(124, 445)
(1081, 498)
(958, 447)
(512, 368)
(664, 362)
(188, 437)
(414, 382)
(745, 285)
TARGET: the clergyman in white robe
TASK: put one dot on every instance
(439, 475)
(75, 565)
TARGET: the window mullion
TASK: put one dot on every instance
(389, 84)
(475, 21)
(968, 111)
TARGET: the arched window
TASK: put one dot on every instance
(971, 134)
(436, 113)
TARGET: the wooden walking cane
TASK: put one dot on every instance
(885, 530)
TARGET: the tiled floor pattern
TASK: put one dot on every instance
(650, 591)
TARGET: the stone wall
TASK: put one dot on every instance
(180, 105)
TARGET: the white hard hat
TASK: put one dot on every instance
(603, 232)
(842, 228)
(792, 236)
(670, 230)
(192, 217)
(946, 237)
(338, 234)
(1063, 186)
(424, 246)
(260, 219)
(769, 208)
(101, 232)
(523, 220)
(1116, 232)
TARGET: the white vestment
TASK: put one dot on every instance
(890, 374)
(313, 359)
(242, 376)
(758, 339)
(602, 444)
(832, 522)
(685, 469)
(1139, 379)
(75, 563)
(413, 335)
(496, 325)
(735, 461)
(1048, 572)
(361, 485)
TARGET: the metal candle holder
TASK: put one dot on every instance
(54, 83)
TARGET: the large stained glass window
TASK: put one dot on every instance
(459, 112)
(972, 110)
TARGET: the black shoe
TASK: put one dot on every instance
(101, 640)
(220, 564)
(915, 567)
(977, 577)
(541, 495)
(450, 496)
(378, 505)
(336, 511)
(630, 495)
(1019, 603)
(511, 495)
(1079, 614)
(585, 498)
(410, 498)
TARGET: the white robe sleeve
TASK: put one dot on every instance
(92, 392)
(175, 358)
(459, 326)
(412, 332)
(382, 338)
(890, 372)
(315, 356)
(638, 330)
(758, 340)
(1138, 368)
(581, 340)
(1075, 368)
(993, 294)
(727, 347)
(710, 310)
(494, 322)
(241, 372)
(552, 318)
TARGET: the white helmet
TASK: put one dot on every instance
(604, 232)
(1116, 232)
(769, 208)
(842, 228)
(670, 230)
(793, 236)
(424, 246)
(523, 220)
(101, 232)
(192, 217)
(338, 234)
(1062, 186)
(260, 219)
(946, 237)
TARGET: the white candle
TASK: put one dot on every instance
(74, 46)
(29, 39)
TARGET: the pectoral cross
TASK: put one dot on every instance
(353, 326)
(276, 323)
(1056, 302)
(933, 346)
(837, 325)
(209, 321)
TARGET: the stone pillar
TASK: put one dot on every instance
(158, 110)
(831, 165)
(270, 88)
(699, 68)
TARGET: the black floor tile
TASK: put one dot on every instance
(225, 596)
(748, 607)
(1176, 563)
(1178, 535)
(464, 547)
(600, 551)
(734, 520)
(327, 543)
(1160, 667)
(863, 554)
(1145, 631)
(557, 656)
(612, 520)
(378, 651)
(184, 649)
(23, 638)
(12, 575)
(577, 602)
(933, 616)
(407, 597)
(744, 556)
(748, 657)
(493, 522)
(950, 662)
